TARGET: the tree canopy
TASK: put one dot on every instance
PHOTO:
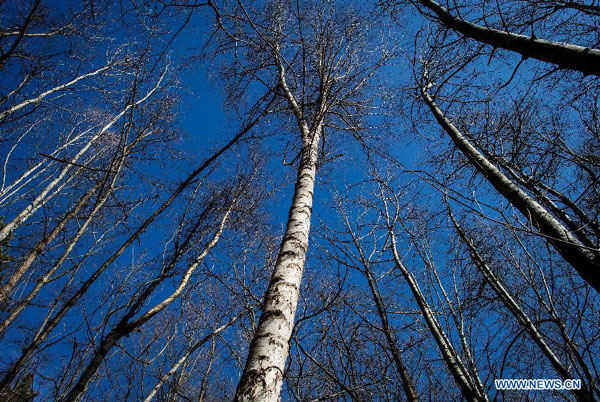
(299, 200)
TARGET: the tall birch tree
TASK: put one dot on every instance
(315, 58)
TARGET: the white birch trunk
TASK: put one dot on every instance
(51, 322)
(586, 261)
(124, 327)
(453, 362)
(50, 91)
(10, 190)
(263, 375)
(517, 311)
(186, 356)
(5, 292)
(15, 277)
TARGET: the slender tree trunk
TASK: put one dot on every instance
(125, 326)
(585, 260)
(564, 55)
(6, 192)
(262, 377)
(50, 91)
(515, 309)
(52, 322)
(41, 199)
(459, 324)
(407, 383)
(186, 356)
(80, 231)
(449, 355)
(528, 182)
(39, 248)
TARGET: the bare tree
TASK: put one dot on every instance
(469, 383)
(142, 262)
(563, 55)
(311, 57)
(364, 261)
(509, 301)
(583, 257)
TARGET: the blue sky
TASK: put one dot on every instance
(207, 123)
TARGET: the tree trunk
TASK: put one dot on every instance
(515, 309)
(582, 258)
(126, 327)
(41, 246)
(449, 355)
(407, 383)
(42, 198)
(263, 375)
(49, 326)
(564, 55)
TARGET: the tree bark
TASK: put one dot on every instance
(262, 377)
(564, 55)
(585, 260)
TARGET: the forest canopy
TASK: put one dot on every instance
(299, 200)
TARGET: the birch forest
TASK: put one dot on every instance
(299, 200)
